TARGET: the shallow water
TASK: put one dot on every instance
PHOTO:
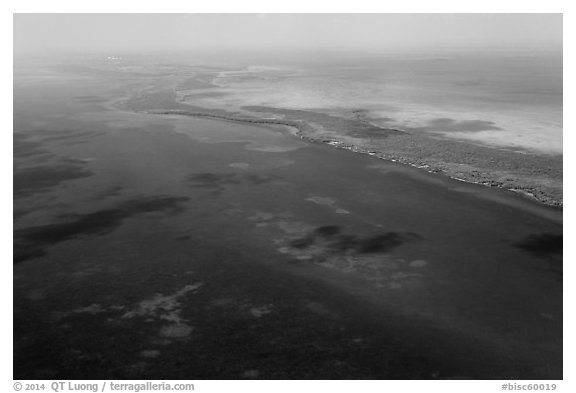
(507, 100)
(185, 252)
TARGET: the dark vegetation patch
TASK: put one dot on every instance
(542, 244)
(332, 238)
(373, 132)
(36, 179)
(353, 127)
(34, 241)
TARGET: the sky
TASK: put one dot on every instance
(39, 33)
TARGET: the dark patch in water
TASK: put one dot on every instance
(68, 136)
(542, 244)
(56, 135)
(327, 230)
(258, 179)
(331, 237)
(23, 147)
(219, 181)
(447, 124)
(302, 242)
(344, 243)
(366, 245)
(36, 179)
(380, 243)
(33, 242)
(109, 192)
(17, 214)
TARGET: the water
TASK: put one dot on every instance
(166, 247)
(503, 100)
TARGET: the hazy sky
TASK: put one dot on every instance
(149, 32)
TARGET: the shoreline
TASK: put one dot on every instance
(302, 126)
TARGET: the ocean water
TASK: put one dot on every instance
(156, 246)
(506, 100)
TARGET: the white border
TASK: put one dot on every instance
(266, 6)
(298, 6)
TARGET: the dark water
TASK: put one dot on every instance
(164, 247)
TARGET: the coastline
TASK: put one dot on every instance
(535, 175)
(307, 132)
